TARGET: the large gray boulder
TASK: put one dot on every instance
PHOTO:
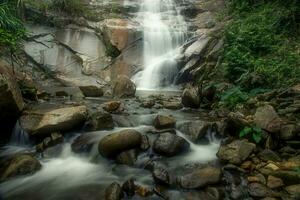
(196, 130)
(168, 144)
(236, 152)
(267, 118)
(190, 97)
(123, 87)
(115, 143)
(100, 121)
(163, 121)
(11, 101)
(43, 119)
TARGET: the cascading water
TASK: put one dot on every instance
(164, 30)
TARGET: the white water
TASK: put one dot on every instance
(164, 30)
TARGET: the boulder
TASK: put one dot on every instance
(127, 157)
(196, 130)
(168, 144)
(267, 118)
(257, 190)
(274, 182)
(123, 87)
(44, 119)
(115, 143)
(147, 103)
(172, 105)
(163, 121)
(293, 191)
(54, 139)
(114, 192)
(161, 174)
(100, 121)
(20, 164)
(11, 101)
(190, 97)
(200, 178)
(288, 177)
(288, 131)
(269, 155)
(91, 91)
(129, 187)
(112, 106)
(84, 143)
(236, 152)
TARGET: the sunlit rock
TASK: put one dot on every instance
(123, 87)
(115, 143)
(43, 119)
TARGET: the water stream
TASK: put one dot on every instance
(164, 30)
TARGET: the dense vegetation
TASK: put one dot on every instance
(262, 43)
(11, 26)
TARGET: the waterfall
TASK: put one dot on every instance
(164, 30)
(19, 136)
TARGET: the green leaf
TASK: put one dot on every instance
(257, 136)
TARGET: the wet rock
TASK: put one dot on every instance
(168, 144)
(147, 103)
(113, 192)
(11, 101)
(115, 143)
(237, 121)
(190, 97)
(112, 106)
(267, 118)
(259, 178)
(236, 152)
(196, 130)
(129, 187)
(288, 177)
(44, 119)
(288, 131)
(20, 164)
(200, 178)
(160, 174)
(172, 105)
(269, 155)
(257, 190)
(84, 143)
(145, 144)
(143, 191)
(210, 193)
(123, 87)
(163, 121)
(127, 157)
(91, 91)
(54, 139)
(293, 191)
(274, 182)
(100, 121)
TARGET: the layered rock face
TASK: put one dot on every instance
(11, 100)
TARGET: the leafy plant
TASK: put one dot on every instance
(233, 96)
(254, 132)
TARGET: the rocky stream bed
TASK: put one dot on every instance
(76, 125)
